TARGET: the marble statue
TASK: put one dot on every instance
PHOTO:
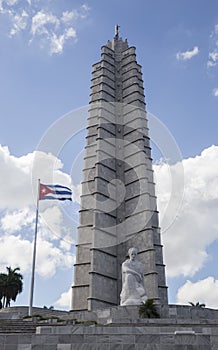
(133, 290)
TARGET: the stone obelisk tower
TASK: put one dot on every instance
(118, 203)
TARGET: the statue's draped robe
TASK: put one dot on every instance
(133, 291)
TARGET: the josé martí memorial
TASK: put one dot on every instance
(119, 260)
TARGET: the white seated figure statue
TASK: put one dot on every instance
(133, 290)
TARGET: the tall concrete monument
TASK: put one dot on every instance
(118, 203)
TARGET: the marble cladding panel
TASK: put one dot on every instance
(102, 187)
(137, 173)
(137, 204)
(136, 223)
(133, 89)
(87, 202)
(85, 235)
(102, 239)
(127, 58)
(104, 288)
(106, 58)
(104, 220)
(132, 147)
(106, 260)
(102, 87)
(148, 152)
(93, 305)
(88, 187)
(90, 150)
(154, 219)
(105, 134)
(103, 80)
(156, 236)
(143, 241)
(86, 217)
(130, 73)
(150, 175)
(107, 48)
(151, 286)
(128, 50)
(82, 275)
(105, 173)
(89, 161)
(162, 292)
(80, 295)
(110, 127)
(161, 274)
(131, 135)
(107, 160)
(138, 188)
(92, 130)
(108, 66)
(91, 139)
(89, 174)
(92, 121)
(148, 257)
(96, 66)
(101, 95)
(133, 97)
(108, 147)
(132, 80)
(138, 123)
(103, 72)
(129, 65)
(134, 160)
(83, 252)
(106, 116)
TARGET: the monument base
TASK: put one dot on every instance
(186, 328)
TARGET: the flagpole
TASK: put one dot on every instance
(34, 253)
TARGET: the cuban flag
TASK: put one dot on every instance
(58, 192)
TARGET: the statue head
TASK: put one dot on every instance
(132, 252)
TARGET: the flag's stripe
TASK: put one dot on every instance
(62, 192)
(58, 186)
(58, 198)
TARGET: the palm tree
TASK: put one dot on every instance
(11, 285)
(148, 309)
(197, 304)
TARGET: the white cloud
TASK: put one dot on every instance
(41, 21)
(19, 23)
(48, 29)
(215, 92)
(77, 191)
(14, 221)
(19, 176)
(65, 299)
(204, 291)
(195, 226)
(213, 54)
(69, 16)
(58, 42)
(17, 251)
(11, 2)
(17, 220)
(187, 55)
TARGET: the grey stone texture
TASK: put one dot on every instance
(118, 203)
(186, 328)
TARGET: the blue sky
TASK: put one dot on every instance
(46, 52)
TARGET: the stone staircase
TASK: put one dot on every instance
(17, 326)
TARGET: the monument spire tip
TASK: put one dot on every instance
(117, 31)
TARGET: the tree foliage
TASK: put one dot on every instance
(148, 309)
(199, 305)
(11, 284)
